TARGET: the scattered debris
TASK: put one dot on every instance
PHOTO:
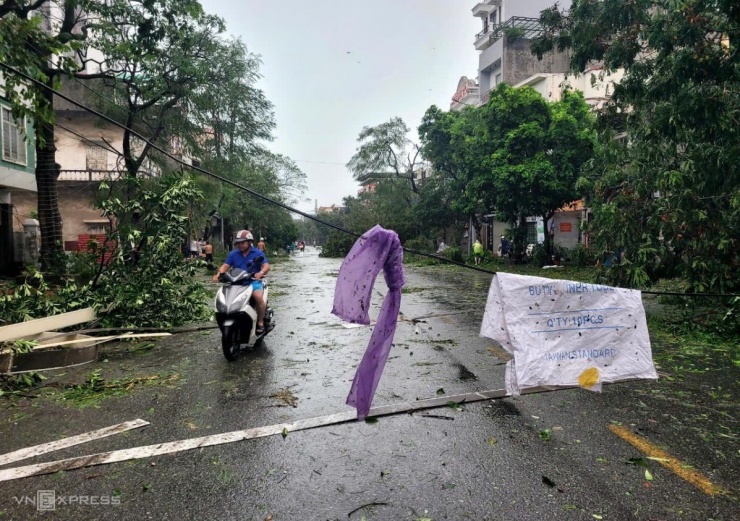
(286, 397)
(374, 503)
(42, 325)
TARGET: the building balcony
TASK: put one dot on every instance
(483, 9)
(99, 175)
(515, 27)
(88, 175)
(483, 39)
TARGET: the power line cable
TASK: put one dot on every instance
(170, 156)
(280, 204)
(220, 178)
(318, 162)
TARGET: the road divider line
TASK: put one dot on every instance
(679, 468)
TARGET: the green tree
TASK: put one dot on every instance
(537, 149)
(450, 141)
(149, 285)
(21, 27)
(386, 152)
(44, 40)
(668, 193)
(390, 204)
(518, 154)
(226, 123)
(155, 55)
(434, 211)
(229, 116)
(153, 52)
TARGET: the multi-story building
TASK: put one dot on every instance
(17, 175)
(505, 39)
(595, 83)
(88, 152)
(467, 94)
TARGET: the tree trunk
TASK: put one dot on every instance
(548, 237)
(520, 239)
(477, 225)
(50, 219)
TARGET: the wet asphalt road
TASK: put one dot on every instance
(486, 461)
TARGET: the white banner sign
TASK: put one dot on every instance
(565, 333)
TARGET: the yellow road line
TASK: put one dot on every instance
(694, 477)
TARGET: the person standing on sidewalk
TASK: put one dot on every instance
(477, 251)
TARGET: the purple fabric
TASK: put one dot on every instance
(377, 249)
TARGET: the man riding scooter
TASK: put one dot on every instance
(245, 257)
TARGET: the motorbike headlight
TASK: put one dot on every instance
(220, 302)
(241, 299)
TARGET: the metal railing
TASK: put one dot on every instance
(99, 175)
(518, 27)
(484, 32)
(86, 175)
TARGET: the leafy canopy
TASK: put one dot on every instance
(667, 191)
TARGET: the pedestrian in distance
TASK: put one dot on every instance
(477, 252)
(505, 246)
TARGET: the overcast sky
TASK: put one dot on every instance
(332, 67)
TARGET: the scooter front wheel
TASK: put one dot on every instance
(230, 344)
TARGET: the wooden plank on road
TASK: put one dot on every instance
(159, 449)
(100, 339)
(41, 325)
(44, 448)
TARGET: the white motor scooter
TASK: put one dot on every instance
(236, 314)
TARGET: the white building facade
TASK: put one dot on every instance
(596, 84)
(504, 43)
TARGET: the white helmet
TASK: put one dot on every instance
(243, 235)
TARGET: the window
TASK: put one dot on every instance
(97, 158)
(494, 17)
(498, 78)
(14, 146)
(97, 229)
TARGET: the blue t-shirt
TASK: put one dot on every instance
(237, 260)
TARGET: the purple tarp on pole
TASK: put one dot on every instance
(377, 249)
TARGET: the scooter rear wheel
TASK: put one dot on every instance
(230, 344)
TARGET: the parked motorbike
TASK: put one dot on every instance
(236, 314)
